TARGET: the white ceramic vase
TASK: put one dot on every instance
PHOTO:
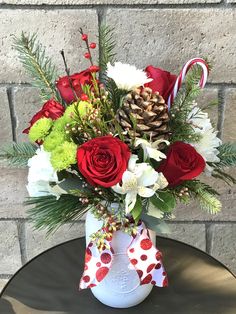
(121, 287)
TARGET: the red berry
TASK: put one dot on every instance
(84, 97)
(94, 68)
(87, 55)
(92, 45)
(84, 37)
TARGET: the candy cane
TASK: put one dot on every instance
(181, 77)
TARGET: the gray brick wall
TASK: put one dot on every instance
(164, 33)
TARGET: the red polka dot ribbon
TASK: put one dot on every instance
(144, 257)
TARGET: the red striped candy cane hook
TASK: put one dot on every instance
(181, 77)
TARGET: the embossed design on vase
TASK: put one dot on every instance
(121, 287)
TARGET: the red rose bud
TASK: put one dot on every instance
(92, 45)
(84, 37)
(103, 160)
(51, 109)
(182, 163)
(163, 81)
(84, 97)
(87, 55)
(77, 80)
(94, 68)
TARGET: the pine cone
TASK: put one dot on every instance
(145, 109)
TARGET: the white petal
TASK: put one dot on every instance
(156, 143)
(161, 182)
(145, 192)
(155, 154)
(149, 177)
(130, 201)
(118, 189)
(129, 181)
(127, 76)
(132, 162)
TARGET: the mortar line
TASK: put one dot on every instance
(143, 6)
(209, 238)
(221, 111)
(22, 241)
(10, 97)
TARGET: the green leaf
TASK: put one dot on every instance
(165, 201)
(18, 154)
(137, 210)
(155, 224)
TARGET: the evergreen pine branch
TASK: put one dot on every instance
(205, 195)
(116, 95)
(183, 105)
(18, 154)
(227, 155)
(107, 45)
(33, 57)
(50, 213)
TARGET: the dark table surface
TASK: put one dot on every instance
(49, 284)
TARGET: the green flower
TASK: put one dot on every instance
(53, 140)
(60, 124)
(63, 156)
(71, 112)
(40, 129)
(84, 108)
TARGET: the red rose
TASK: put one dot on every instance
(77, 79)
(51, 109)
(182, 163)
(103, 160)
(163, 81)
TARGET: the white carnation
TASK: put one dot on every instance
(40, 174)
(127, 76)
(209, 142)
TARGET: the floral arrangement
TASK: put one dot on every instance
(125, 143)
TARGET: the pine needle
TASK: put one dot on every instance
(227, 155)
(205, 195)
(107, 45)
(33, 57)
(50, 213)
(18, 154)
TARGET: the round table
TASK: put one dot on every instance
(48, 284)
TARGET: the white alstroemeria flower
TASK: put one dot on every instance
(140, 179)
(127, 76)
(150, 149)
(41, 173)
(209, 142)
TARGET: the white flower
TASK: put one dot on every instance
(140, 179)
(126, 76)
(209, 142)
(41, 173)
(150, 149)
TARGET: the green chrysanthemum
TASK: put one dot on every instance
(71, 112)
(64, 156)
(40, 129)
(53, 140)
(60, 124)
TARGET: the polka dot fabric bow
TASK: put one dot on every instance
(143, 256)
